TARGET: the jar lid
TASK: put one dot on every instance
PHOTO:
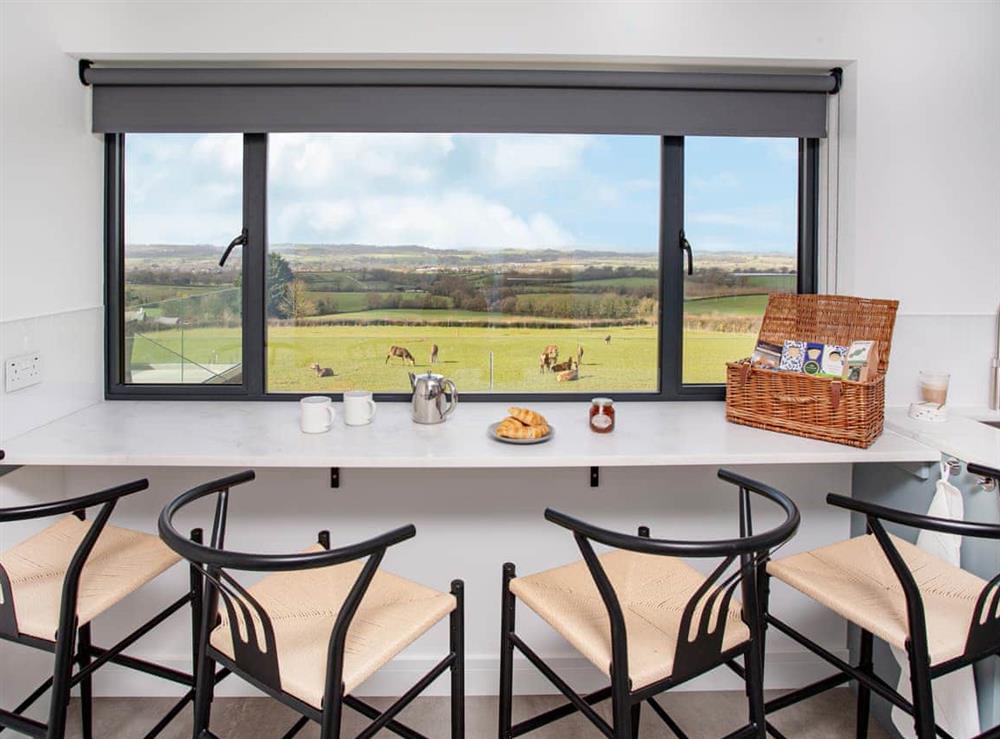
(602, 401)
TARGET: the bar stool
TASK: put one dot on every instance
(646, 618)
(319, 625)
(943, 617)
(55, 583)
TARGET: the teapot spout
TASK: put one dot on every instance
(413, 381)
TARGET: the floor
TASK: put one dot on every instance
(827, 716)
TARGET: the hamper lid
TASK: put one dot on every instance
(831, 319)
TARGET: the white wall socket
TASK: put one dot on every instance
(22, 371)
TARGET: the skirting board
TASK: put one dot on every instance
(784, 670)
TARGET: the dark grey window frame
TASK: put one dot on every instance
(671, 386)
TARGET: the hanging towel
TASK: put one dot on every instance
(955, 706)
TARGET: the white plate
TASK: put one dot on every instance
(493, 435)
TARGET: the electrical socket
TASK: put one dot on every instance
(22, 371)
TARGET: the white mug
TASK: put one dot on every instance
(359, 408)
(317, 414)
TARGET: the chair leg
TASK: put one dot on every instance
(86, 685)
(923, 701)
(866, 665)
(636, 715)
(507, 611)
(332, 715)
(456, 624)
(61, 674)
(204, 671)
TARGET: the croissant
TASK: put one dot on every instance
(512, 428)
(528, 416)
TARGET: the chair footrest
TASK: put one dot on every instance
(26, 726)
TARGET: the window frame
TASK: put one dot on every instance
(254, 330)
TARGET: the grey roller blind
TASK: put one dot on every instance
(459, 101)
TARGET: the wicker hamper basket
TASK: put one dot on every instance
(816, 407)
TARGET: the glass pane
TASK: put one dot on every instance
(508, 263)
(741, 218)
(183, 205)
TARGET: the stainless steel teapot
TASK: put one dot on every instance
(431, 395)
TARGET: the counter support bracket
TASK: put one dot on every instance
(595, 477)
(335, 477)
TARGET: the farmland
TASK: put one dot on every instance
(343, 306)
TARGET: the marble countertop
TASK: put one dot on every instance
(964, 435)
(266, 434)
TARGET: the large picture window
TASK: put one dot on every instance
(565, 259)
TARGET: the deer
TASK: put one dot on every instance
(607, 339)
(402, 352)
(544, 362)
(568, 376)
(434, 353)
(321, 371)
(553, 351)
(569, 364)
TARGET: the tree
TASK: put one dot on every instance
(298, 295)
(279, 279)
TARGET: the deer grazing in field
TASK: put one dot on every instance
(402, 352)
(607, 339)
(544, 362)
(553, 351)
(321, 371)
(434, 353)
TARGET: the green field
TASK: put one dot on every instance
(752, 305)
(357, 356)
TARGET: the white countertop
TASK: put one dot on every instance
(963, 435)
(266, 434)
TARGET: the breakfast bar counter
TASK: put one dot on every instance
(266, 434)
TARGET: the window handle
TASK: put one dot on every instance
(240, 240)
(686, 247)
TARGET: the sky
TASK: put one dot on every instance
(471, 191)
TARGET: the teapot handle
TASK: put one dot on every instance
(449, 385)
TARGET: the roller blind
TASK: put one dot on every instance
(255, 100)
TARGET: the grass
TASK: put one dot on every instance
(746, 305)
(357, 356)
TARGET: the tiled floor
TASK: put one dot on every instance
(828, 716)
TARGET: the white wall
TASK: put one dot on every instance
(918, 214)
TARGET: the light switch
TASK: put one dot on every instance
(22, 371)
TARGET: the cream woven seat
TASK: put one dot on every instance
(652, 591)
(121, 562)
(303, 606)
(854, 579)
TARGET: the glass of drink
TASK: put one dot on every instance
(934, 387)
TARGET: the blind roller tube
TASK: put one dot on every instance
(473, 101)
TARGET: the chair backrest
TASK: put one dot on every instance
(106, 499)
(984, 631)
(254, 645)
(710, 602)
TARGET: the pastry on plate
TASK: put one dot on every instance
(512, 428)
(527, 416)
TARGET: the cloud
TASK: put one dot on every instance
(454, 219)
(770, 218)
(514, 159)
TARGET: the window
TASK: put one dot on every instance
(181, 313)
(516, 264)
(468, 254)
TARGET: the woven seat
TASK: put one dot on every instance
(854, 579)
(652, 590)
(121, 562)
(303, 606)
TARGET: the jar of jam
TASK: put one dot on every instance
(602, 415)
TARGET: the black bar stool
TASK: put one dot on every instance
(55, 583)
(646, 618)
(943, 617)
(323, 622)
